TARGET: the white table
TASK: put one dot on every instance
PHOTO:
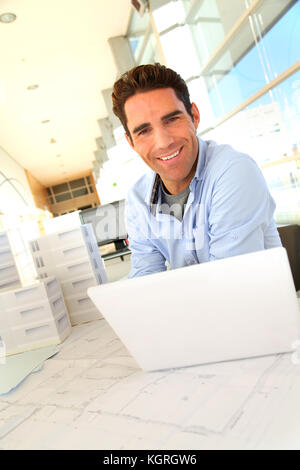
(92, 395)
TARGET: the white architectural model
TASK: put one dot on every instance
(32, 317)
(72, 256)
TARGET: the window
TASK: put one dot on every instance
(254, 57)
(69, 190)
(80, 192)
(268, 130)
(63, 197)
(77, 183)
(60, 188)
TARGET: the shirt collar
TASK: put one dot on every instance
(201, 159)
(153, 199)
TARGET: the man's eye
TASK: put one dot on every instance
(172, 119)
(143, 132)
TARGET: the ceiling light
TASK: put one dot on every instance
(7, 17)
(32, 87)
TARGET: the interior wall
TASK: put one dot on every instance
(39, 192)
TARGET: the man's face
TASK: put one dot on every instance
(163, 134)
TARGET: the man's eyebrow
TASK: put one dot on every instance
(141, 127)
(173, 113)
(147, 124)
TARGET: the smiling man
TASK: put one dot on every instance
(201, 201)
(162, 132)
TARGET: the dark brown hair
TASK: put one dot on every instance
(145, 78)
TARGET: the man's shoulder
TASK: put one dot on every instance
(219, 157)
(224, 153)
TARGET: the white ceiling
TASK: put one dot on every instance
(61, 45)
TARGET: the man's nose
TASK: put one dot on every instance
(163, 138)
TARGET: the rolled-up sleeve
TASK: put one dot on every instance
(241, 211)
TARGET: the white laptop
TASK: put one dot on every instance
(233, 308)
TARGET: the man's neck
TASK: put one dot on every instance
(166, 191)
(176, 187)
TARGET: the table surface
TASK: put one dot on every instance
(92, 395)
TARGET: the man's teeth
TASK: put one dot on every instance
(170, 156)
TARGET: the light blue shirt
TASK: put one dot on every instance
(229, 212)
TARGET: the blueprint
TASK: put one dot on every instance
(92, 395)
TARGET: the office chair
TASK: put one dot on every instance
(290, 239)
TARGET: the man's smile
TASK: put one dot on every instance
(171, 156)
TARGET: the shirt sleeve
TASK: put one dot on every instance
(145, 257)
(241, 211)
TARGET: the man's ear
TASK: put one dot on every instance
(129, 140)
(196, 115)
